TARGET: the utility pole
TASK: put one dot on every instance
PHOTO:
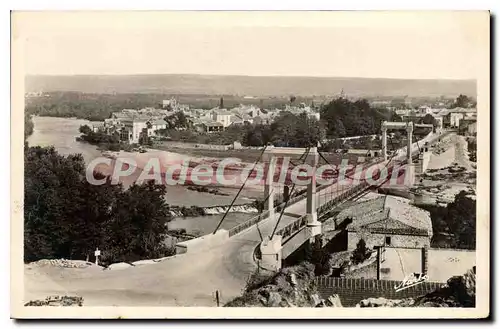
(217, 298)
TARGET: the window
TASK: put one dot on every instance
(388, 240)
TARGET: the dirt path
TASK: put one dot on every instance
(461, 154)
(452, 149)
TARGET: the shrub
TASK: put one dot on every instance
(361, 253)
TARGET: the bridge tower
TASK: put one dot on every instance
(271, 248)
(408, 126)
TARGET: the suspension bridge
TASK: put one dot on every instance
(224, 260)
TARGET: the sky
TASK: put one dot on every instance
(413, 45)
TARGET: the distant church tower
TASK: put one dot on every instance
(221, 103)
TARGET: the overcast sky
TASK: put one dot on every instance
(348, 44)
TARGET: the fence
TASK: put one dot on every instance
(352, 290)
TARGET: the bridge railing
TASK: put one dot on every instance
(265, 214)
(293, 227)
(252, 221)
(341, 197)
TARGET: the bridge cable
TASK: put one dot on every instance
(382, 183)
(272, 187)
(386, 165)
(286, 203)
(239, 191)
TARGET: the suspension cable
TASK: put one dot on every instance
(286, 203)
(239, 191)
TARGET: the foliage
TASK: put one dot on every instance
(94, 107)
(472, 149)
(429, 119)
(67, 217)
(461, 220)
(177, 120)
(287, 130)
(361, 253)
(104, 141)
(345, 118)
(97, 107)
(28, 125)
(463, 101)
(296, 130)
(454, 226)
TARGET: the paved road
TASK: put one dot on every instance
(184, 280)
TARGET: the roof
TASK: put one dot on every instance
(213, 124)
(388, 214)
(245, 116)
(463, 110)
(159, 122)
(235, 119)
(222, 112)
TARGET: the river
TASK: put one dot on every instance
(61, 133)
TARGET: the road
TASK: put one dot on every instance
(184, 280)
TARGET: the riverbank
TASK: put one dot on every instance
(61, 133)
(450, 171)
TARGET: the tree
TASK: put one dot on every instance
(345, 118)
(429, 119)
(28, 126)
(138, 227)
(67, 217)
(51, 200)
(361, 253)
(462, 101)
(461, 220)
(85, 129)
(178, 120)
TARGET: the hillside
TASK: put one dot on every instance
(249, 85)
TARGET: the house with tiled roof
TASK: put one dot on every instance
(387, 221)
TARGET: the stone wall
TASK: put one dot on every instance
(372, 240)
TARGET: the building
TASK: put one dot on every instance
(455, 115)
(222, 116)
(424, 110)
(210, 127)
(132, 128)
(387, 221)
(155, 125)
(170, 104)
(455, 118)
(472, 128)
(468, 126)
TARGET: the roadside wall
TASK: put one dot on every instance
(202, 243)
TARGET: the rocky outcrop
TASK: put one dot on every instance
(195, 211)
(291, 287)
(63, 263)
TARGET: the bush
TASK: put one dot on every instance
(361, 253)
